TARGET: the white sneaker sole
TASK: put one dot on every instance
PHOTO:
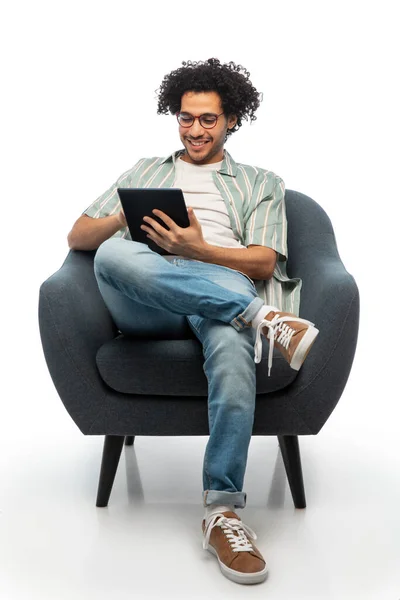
(237, 576)
(304, 347)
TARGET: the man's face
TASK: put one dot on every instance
(199, 103)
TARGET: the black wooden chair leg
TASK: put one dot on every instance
(111, 454)
(289, 445)
(129, 439)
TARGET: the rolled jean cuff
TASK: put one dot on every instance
(244, 319)
(238, 499)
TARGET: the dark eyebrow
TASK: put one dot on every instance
(185, 112)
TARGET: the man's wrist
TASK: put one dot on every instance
(205, 253)
(118, 221)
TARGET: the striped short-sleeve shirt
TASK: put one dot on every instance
(255, 201)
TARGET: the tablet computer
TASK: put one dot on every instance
(140, 202)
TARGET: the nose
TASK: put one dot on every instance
(196, 129)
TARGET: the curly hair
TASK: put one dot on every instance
(230, 81)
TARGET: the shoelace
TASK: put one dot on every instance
(275, 326)
(234, 530)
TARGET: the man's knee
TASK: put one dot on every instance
(230, 344)
(104, 255)
(111, 252)
(230, 363)
(110, 245)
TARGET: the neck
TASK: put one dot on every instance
(185, 156)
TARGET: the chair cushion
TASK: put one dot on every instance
(173, 367)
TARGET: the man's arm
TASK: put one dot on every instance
(103, 220)
(88, 233)
(258, 262)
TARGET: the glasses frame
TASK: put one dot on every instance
(198, 117)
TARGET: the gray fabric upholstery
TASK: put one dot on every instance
(173, 367)
(115, 385)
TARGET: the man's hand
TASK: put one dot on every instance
(183, 241)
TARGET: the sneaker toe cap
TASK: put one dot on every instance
(247, 562)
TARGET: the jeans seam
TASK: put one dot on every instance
(244, 320)
(209, 418)
(206, 456)
(207, 472)
(194, 326)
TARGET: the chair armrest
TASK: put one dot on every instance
(330, 299)
(74, 322)
(325, 280)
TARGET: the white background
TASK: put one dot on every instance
(79, 107)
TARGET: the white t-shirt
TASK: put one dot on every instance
(201, 193)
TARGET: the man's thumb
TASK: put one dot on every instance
(192, 216)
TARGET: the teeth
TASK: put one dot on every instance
(198, 143)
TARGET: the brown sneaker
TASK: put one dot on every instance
(228, 538)
(291, 335)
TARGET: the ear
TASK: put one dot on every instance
(232, 121)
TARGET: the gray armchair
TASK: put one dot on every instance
(120, 386)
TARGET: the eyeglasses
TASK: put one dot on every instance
(208, 120)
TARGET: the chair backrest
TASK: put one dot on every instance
(310, 229)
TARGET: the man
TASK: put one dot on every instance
(226, 280)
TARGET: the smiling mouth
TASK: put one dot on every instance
(198, 144)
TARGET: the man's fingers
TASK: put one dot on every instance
(152, 224)
(157, 239)
(167, 220)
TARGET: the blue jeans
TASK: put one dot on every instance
(148, 295)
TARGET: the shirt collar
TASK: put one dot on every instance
(228, 167)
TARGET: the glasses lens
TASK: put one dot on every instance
(208, 121)
(185, 120)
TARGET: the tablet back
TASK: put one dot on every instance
(139, 202)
